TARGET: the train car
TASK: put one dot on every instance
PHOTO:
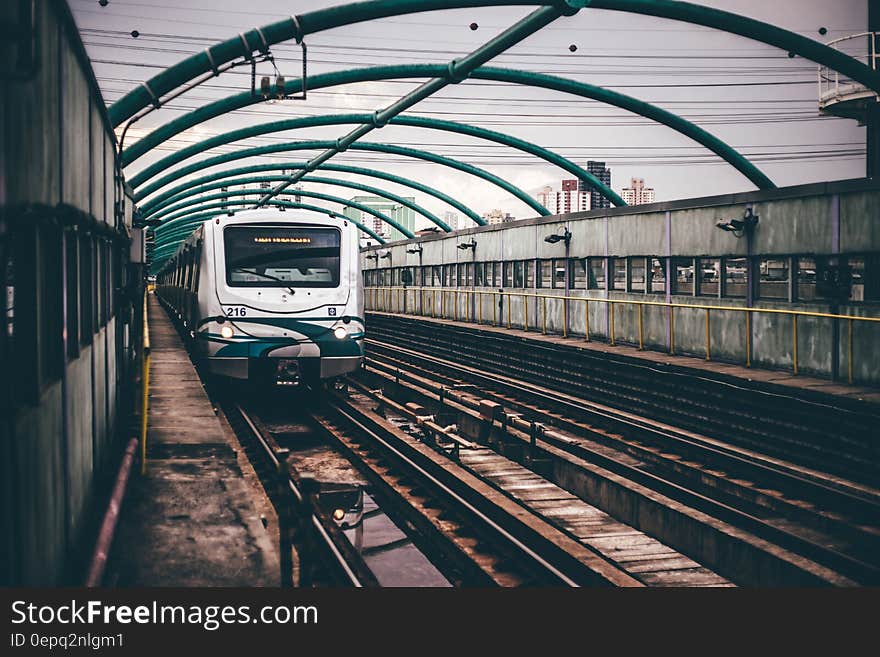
(269, 296)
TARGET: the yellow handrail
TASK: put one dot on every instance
(507, 296)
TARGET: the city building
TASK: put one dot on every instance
(497, 216)
(451, 219)
(569, 198)
(603, 174)
(637, 193)
(403, 215)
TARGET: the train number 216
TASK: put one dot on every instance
(236, 311)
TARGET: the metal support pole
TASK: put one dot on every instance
(544, 315)
(671, 330)
(708, 338)
(748, 338)
(611, 319)
(525, 313)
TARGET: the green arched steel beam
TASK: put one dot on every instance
(412, 121)
(315, 179)
(344, 168)
(170, 214)
(260, 39)
(363, 146)
(165, 236)
(527, 78)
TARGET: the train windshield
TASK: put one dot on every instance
(276, 256)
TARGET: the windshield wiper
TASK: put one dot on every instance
(269, 276)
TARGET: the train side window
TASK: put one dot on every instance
(597, 274)
(656, 283)
(198, 267)
(773, 278)
(86, 291)
(735, 277)
(71, 263)
(9, 301)
(683, 276)
(618, 274)
(710, 277)
(578, 273)
(637, 274)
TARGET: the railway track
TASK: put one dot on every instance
(803, 430)
(825, 521)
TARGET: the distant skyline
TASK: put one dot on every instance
(752, 96)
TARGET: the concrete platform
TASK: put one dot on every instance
(193, 519)
(803, 386)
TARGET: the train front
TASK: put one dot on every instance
(290, 298)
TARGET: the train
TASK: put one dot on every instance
(269, 296)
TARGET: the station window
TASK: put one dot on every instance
(618, 274)
(736, 277)
(86, 292)
(657, 276)
(448, 275)
(597, 274)
(9, 297)
(865, 275)
(495, 281)
(773, 278)
(545, 273)
(518, 280)
(559, 273)
(50, 299)
(71, 261)
(528, 273)
(710, 277)
(637, 274)
(577, 275)
(437, 276)
(479, 274)
(683, 275)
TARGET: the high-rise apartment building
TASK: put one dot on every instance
(569, 198)
(402, 214)
(637, 193)
(451, 219)
(498, 217)
(603, 174)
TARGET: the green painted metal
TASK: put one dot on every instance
(170, 214)
(415, 121)
(515, 76)
(324, 19)
(258, 168)
(364, 146)
(316, 179)
(458, 70)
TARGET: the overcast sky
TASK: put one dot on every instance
(752, 96)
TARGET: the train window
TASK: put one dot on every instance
(528, 272)
(508, 274)
(618, 274)
(197, 264)
(86, 292)
(281, 256)
(683, 276)
(479, 274)
(773, 278)
(71, 262)
(637, 274)
(545, 273)
(710, 277)
(9, 295)
(656, 283)
(96, 287)
(597, 274)
(735, 277)
(578, 273)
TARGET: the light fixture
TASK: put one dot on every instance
(415, 249)
(338, 514)
(740, 226)
(226, 332)
(468, 245)
(386, 255)
(372, 256)
(556, 237)
(340, 332)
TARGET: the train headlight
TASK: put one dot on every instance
(340, 332)
(226, 332)
(338, 514)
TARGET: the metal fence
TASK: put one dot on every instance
(529, 311)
